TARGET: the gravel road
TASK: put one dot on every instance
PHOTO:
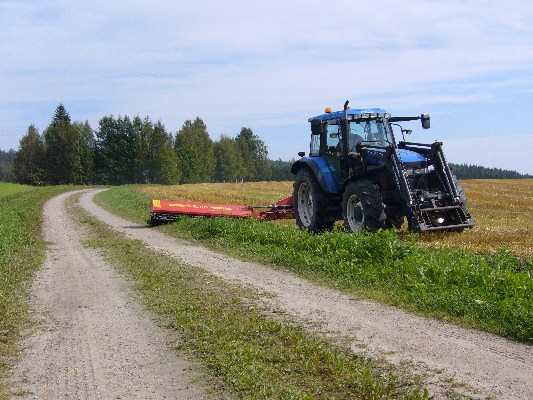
(92, 340)
(73, 280)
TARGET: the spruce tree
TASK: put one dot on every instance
(63, 147)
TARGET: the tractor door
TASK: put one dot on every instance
(331, 150)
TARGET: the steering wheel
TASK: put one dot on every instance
(356, 139)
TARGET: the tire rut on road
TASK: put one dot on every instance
(91, 339)
(474, 363)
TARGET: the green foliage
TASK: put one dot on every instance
(117, 151)
(29, 162)
(6, 163)
(464, 171)
(85, 150)
(195, 151)
(281, 170)
(134, 151)
(21, 253)
(253, 356)
(68, 155)
(161, 161)
(61, 116)
(229, 161)
(255, 156)
(489, 292)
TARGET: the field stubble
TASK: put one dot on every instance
(503, 211)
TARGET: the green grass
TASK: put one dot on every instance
(488, 292)
(249, 354)
(7, 189)
(22, 251)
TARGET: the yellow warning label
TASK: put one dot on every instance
(156, 203)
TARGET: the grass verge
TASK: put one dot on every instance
(488, 292)
(224, 325)
(22, 251)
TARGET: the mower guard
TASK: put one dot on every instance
(170, 210)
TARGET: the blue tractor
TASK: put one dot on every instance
(356, 171)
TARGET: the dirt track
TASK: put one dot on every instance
(92, 340)
(477, 364)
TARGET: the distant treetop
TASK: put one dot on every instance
(61, 116)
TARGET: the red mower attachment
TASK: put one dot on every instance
(169, 210)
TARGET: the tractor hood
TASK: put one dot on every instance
(410, 157)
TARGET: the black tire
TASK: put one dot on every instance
(394, 221)
(311, 203)
(462, 197)
(460, 192)
(153, 222)
(362, 207)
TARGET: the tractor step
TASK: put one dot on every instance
(446, 227)
(447, 208)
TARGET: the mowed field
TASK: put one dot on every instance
(502, 209)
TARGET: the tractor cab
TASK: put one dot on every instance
(340, 136)
(356, 170)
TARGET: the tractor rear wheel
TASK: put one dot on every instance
(362, 207)
(311, 203)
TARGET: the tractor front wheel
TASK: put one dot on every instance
(462, 197)
(311, 203)
(362, 207)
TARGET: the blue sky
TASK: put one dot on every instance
(272, 65)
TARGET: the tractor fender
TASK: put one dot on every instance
(320, 169)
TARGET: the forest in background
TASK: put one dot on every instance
(126, 150)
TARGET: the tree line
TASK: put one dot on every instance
(6, 162)
(465, 171)
(127, 150)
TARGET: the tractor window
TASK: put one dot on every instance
(315, 145)
(373, 132)
(333, 138)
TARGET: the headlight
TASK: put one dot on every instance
(437, 218)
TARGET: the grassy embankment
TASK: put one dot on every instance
(491, 289)
(246, 353)
(21, 253)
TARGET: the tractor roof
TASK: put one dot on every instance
(360, 112)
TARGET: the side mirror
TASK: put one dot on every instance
(301, 153)
(316, 127)
(425, 121)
